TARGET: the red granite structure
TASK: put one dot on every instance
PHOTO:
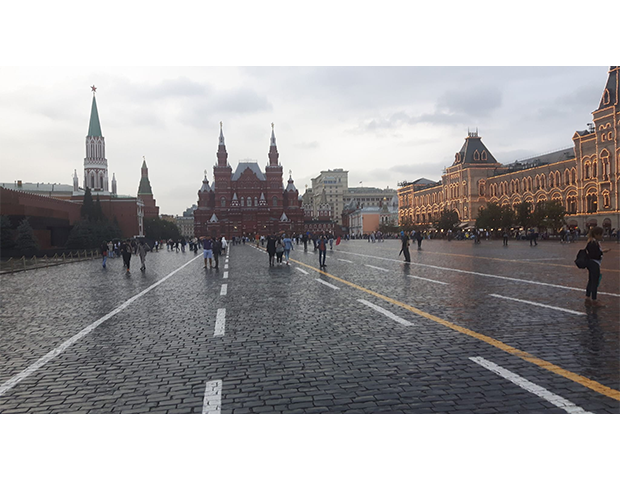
(248, 201)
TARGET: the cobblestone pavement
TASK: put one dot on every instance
(463, 329)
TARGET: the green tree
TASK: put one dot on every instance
(158, 229)
(524, 215)
(26, 242)
(448, 220)
(555, 214)
(6, 240)
(98, 211)
(489, 217)
(507, 216)
(539, 216)
(87, 235)
(88, 206)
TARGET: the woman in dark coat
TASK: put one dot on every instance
(271, 249)
(126, 253)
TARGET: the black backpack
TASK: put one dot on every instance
(582, 259)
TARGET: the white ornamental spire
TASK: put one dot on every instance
(221, 135)
(273, 137)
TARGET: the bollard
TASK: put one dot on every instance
(24, 261)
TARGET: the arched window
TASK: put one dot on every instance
(573, 176)
(542, 181)
(605, 199)
(605, 164)
(571, 204)
(476, 155)
(586, 170)
(242, 202)
(591, 202)
(92, 180)
(249, 201)
(484, 155)
(222, 201)
(594, 168)
(551, 180)
(274, 201)
(256, 201)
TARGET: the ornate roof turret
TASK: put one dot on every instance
(610, 94)
(273, 149)
(222, 154)
(291, 185)
(205, 185)
(474, 151)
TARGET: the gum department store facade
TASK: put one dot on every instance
(585, 178)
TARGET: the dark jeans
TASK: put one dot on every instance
(594, 273)
(216, 257)
(407, 256)
(322, 254)
(505, 240)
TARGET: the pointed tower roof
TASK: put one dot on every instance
(474, 152)
(145, 184)
(610, 94)
(205, 185)
(291, 185)
(94, 128)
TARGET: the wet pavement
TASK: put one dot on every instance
(463, 329)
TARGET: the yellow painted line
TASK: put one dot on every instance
(586, 382)
(531, 262)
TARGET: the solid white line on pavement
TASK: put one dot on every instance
(542, 392)
(213, 398)
(478, 273)
(328, 284)
(427, 279)
(377, 268)
(302, 271)
(224, 289)
(5, 387)
(387, 313)
(225, 274)
(220, 322)
(343, 260)
(537, 304)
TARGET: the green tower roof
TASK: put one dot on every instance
(94, 129)
(145, 187)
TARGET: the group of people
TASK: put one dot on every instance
(125, 249)
(278, 247)
(213, 248)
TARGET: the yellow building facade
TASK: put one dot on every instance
(585, 177)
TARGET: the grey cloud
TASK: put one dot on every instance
(307, 145)
(179, 87)
(240, 100)
(480, 101)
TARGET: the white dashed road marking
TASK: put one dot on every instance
(574, 312)
(343, 260)
(529, 386)
(213, 397)
(328, 284)
(427, 279)
(386, 313)
(220, 322)
(302, 271)
(224, 289)
(5, 387)
(377, 268)
(225, 275)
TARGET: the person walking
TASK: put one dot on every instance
(126, 254)
(322, 248)
(595, 256)
(505, 236)
(404, 238)
(279, 250)
(142, 249)
(217, 251)
(418, 236)
(533, 236)
(288, 246)
(104, 252)
(271, 249)
(207, 245)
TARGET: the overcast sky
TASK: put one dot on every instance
(382, 124)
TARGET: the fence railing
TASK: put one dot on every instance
(24, 263)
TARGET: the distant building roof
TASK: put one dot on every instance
(41, 188)
(252, 166)
(544, 159)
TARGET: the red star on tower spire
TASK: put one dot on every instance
(93, 88)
